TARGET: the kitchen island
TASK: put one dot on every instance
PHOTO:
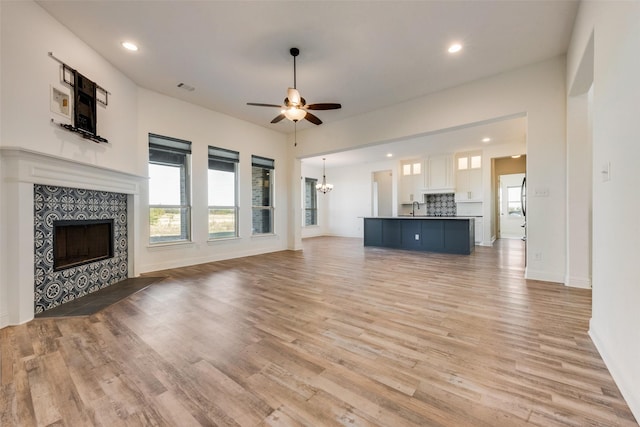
(451, 234)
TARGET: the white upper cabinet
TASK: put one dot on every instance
(469, 177)
(438, 177)
(411, 180)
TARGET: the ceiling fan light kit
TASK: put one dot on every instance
(295, 107)
(294, 113)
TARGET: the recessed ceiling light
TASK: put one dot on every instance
(486, 139)
(130, 46)
(456, 47)
(389, 155)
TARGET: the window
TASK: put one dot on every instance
(463, 163)
(169, 204)
(476, 162)
(223, 189)
(262, 170)
(470, 161)
(412, 168)
(310, 202)
(514, 204)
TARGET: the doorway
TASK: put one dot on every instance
(510, 205)
(503, 167)
(382, 189)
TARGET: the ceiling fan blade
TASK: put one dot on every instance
(313, 119)
(278, 118)
(258, 104)
(323, 106)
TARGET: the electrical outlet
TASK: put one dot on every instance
(60, 102)
(417, 237)
(537, 256)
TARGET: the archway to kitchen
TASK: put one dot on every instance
(433, 179)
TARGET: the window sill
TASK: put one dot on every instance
(260, 236)
(169, 245)
(221, 240)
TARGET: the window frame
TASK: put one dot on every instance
(310, 188)
(223, 155)
(167, 150)
(265, 164)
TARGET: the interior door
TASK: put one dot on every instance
(511, 213)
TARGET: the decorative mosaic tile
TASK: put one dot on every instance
(441, 204)
(52, 288)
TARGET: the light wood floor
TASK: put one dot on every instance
(336, 334)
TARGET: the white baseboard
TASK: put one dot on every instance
(4, 320)
(629, 392)
(186, 262)
(578, 282)
(543, 276)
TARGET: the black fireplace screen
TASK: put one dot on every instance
(77, 242)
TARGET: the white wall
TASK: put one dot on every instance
(167, 116)
(27, 74)
(537, 91)
(351, 198)
(616, 91)
(579, 187)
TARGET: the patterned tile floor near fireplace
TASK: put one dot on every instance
(96, 301)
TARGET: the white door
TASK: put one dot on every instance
(511, 217)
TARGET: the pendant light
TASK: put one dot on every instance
(324, 188)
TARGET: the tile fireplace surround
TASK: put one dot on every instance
(23, 170)
(55, 287)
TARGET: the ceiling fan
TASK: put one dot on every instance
(295, 107)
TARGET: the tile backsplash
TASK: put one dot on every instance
(441, 204)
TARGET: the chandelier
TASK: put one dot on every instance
(324, 188)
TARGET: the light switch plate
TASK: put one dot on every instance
(541, 192)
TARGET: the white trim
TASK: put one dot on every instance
(4, 320)
(543, 276)
(170, 245)
(578, 282)
(617, 372)
(45, 169)
(186, 262)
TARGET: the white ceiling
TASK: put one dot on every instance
(364, 54)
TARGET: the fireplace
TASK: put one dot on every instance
(77, 242)
(81, 243)
(39, 189)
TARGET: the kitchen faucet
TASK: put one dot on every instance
(413, 208)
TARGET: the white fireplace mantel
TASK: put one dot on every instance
(21, 169)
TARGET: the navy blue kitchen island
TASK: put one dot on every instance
(453, 235)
